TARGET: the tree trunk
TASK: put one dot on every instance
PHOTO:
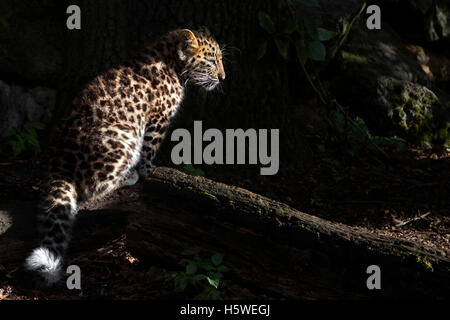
(255, 93)
(113, 31)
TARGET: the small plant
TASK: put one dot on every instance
(25, 139)
(359, 137)
(203, 277)
(297, 29)
(189, 169)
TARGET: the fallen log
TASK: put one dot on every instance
(272, 247)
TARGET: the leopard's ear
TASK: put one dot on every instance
(188, 43)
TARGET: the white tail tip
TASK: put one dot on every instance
(46, 263)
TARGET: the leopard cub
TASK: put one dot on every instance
(113, 130)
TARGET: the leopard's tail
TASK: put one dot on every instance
(55, 219)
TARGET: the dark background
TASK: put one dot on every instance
(330, 165)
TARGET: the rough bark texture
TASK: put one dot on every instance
(256, 209)
(269, 247)
(114, 30)
(255, 94)
(273, 246)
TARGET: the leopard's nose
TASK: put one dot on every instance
(222, 76)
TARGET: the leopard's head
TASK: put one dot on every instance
(201, 57)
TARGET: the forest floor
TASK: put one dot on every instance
(405, 196)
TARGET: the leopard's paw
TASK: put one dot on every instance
(131, 177)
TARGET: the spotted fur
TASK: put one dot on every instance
(114, 127)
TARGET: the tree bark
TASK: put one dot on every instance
(272, 247)
(269, 247)
(255, 93)
(113, 31)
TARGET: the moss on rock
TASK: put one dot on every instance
(383, 83)
(417, 112)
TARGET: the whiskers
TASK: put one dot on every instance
(206, 80)
(219, 88)
(227, 51)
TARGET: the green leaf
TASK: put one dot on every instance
(186, 261)
(339, 120)
(27, 131)
(390, 141)
(199, 277)
(217, 259)
(262, 49)
(34, 142)
(17, 145)
(214, 283)
(206, 265)
(217, 276)
(283, 47)
(223, 269)
(182, 283)
(302, 51)
(171, 276)
(324, 34)
(316, 50)
(266, 22)
(188, 253)
(311, 3)
(311, 26)
(189, 169)
(191, 269)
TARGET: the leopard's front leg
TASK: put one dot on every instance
(154, 135)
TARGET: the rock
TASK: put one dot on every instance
(381, 51)
(438, 21)
(415, 111)
(11, 118)
(436, 18)
(392, 93)
(19, 105)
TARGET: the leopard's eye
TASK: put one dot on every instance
(213, 62)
